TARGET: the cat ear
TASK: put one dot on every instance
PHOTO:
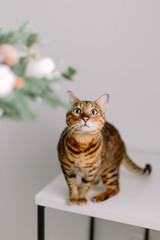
(103, 102)
(71, 98)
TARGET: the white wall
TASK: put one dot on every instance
(115, 47)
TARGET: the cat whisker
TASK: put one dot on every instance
(94, 132)
(68, 129)
(104, 128)
(73, 131)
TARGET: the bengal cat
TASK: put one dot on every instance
(92, 148)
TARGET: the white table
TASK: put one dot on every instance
(137, 203)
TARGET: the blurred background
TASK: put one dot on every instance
(115, 47)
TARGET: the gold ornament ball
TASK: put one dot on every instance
(19, 82)
(10, 54)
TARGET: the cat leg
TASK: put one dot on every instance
(110, 179)
(73, 189)
(83, 190)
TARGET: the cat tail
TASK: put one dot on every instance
(129, 164)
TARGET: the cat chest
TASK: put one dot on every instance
(82, 166)
(83, 159)
(84, 153)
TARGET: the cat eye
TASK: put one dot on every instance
(77, 110)
(94, 112)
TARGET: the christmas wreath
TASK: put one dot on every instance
(25, 75)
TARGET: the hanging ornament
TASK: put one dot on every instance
(19, 82)
(7, 80)
(40, 68)
(9, 54)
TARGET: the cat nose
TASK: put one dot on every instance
(85, 118)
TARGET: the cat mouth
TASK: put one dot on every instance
(84, 125)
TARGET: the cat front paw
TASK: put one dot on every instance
(72, 200)
(82, 201)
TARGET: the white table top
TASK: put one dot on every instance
(137, 203)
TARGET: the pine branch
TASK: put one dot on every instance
(15, 106)
(53, 99)
(69, 73)
(20, 67)
(41, 89)
(23, 36)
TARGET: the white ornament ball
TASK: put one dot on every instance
(40, 68)
(7, 80)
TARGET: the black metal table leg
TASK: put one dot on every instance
(40, 225)
(146, 236)
(92, 223)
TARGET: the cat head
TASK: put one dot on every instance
(86, 116)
